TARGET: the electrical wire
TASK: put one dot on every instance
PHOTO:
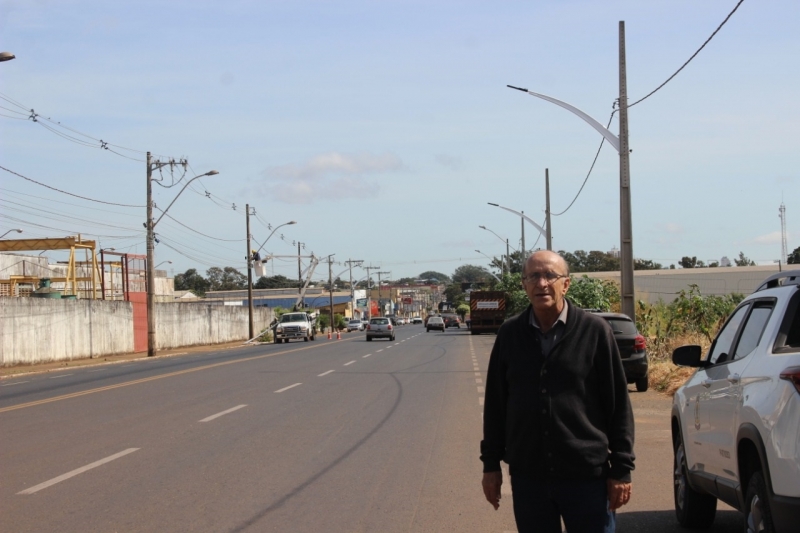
(589, 173)
(65, 192)
(651, 93)
(199, 233)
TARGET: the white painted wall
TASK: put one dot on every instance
(35, 330)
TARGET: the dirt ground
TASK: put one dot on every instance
(17, 370)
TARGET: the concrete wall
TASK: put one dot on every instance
(189, 324)
(38, 330)
(34, 330)
(654, 285)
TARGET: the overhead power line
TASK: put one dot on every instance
(65, 192)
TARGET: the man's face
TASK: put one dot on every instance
(545, 294)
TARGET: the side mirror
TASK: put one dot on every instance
(688, 356)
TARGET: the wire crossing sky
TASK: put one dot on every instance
(392, 119)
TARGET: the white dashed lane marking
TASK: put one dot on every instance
(59, 377)
(63, 477)
(325, 373)
(348, 364)
(232, 409)
(12, 384)
(289, 387)
(365, 356)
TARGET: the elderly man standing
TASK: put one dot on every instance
(557, 411)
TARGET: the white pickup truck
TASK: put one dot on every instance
(295, 325)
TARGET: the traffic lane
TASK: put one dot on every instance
(40, 386)
(163, 474)
(42, 433)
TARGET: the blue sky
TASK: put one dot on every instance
(384, 128)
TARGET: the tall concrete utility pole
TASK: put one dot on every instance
(626, 225)
(330, 287)
(369, 291)
(150, 227)
(249, 256)
(784, 248)
(547, 208)
(379, 290)
(350, 263)
(522, 242)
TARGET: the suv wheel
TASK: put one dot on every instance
(642, 384)
(757, 514)
(693, 509)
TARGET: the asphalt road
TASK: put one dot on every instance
(328, 435)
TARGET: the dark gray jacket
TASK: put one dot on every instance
(567, 416)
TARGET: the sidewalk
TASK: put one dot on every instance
(11, 371)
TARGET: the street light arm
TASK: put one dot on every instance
(505, 241)
(276, 229)
(164, 212)
(492, 258)
(610, 137)
(524, 216)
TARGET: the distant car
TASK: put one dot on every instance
(632, 348)
(451, 321)
(416, 320)
(401, 321)
(380, 327)
(355, 325)
(435, 322)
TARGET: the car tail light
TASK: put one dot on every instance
(367, 326)
(390, 327)
(639, 343)
(792, 374)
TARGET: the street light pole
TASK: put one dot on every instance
(250, 258)
(9, 231)
(620, 144)
(549, 237)
(523, 218)
(492, 273)
(150, 226)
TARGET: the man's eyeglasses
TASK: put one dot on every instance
(549, 277)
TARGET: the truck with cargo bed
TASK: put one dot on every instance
(487, 311)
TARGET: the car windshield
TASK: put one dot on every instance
(355, 322)
(379, 321)
(293, 317)
(435, 319)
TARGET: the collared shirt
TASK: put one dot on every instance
(548, 339)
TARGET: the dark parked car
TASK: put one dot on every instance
(451, 321)
(632, 348)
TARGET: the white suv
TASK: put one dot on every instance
(736, 421)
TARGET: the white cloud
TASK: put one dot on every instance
(673, 228)
(769, 238)
(329, 176)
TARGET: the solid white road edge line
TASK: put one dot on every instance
(232, 409)
(62, 477)
(325, 373)
(12, 384)
(289, 387)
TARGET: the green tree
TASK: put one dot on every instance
(743, 261)
(226, 279)
(794, 257)
(462, 310)
(593, 293)
(454, 294)
(516, 299)
(688, 262)
(275, 282)
(433, 275)
(471, 274)
(646, 264)
(191, 281)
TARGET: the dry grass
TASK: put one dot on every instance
(664, 375)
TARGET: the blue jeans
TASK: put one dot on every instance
(539, 505)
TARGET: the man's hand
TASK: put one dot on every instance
(491, 487)
(619, 493)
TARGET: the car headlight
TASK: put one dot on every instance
(304, 328)
(279, 329)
